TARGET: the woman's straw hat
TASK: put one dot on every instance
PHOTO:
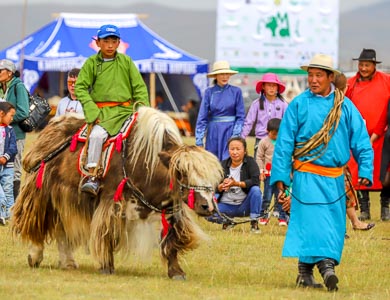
(321, 61)
(270, 78)
(221, 67)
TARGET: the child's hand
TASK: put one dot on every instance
(262, 177)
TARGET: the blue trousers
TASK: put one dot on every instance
(6, 191)
(269, 191)
(249, 207)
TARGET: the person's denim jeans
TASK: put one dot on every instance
(6, 191)
(249, 207)
(269, 191)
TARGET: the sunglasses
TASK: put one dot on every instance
(71, 82)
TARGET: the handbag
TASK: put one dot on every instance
(38, 111)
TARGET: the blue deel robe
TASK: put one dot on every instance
(318, 210)
(221, 116)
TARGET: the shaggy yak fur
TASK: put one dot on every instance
(159, 171)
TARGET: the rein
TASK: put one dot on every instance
(139, 195)
(51, 155)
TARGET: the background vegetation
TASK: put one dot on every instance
(234, 264)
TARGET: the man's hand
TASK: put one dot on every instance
(284, 197)
(363, 181)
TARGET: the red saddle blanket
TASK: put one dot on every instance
(112, 143)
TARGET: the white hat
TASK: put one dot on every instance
(7, 64)
(221, 67)
(321, 61)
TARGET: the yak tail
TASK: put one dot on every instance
(32, 215)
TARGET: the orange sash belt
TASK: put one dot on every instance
(318, 170)
(112, 104)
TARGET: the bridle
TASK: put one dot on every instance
(172, 208)
(196, 188)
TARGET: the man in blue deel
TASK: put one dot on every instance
(318, 133)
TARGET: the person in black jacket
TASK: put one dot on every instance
(239, 193)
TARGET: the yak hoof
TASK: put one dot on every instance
(181, 277)
(68, 266)
(31, 263)
(107, 271)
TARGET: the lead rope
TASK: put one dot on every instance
(321, 139)
(324, 135)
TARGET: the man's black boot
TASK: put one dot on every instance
(326, 268)
(364, 202)
(385, 211)
(305, 276)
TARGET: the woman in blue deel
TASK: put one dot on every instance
(221, 113)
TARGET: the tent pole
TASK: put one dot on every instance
(152, 89)
(173, 103)
(61, 84)
(21, 60)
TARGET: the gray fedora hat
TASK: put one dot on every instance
(367, 55)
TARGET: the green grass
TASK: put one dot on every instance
(232, 265)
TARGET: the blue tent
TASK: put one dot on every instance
(67, 42)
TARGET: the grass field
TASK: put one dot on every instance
(232, 265)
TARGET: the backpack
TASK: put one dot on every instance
(39, 110)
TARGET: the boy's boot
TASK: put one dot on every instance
(364, 202)
(16, 188)
(305, 276)
(91, 185)
(326, 268)
(385, 211)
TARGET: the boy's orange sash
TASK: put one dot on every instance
(111, 104)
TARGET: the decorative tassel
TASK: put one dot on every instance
(73, 144)
(268, 167)
(39, 181)
(118, 142)
(165, 224)
(119, 190)
(171, 185)
(191, 199)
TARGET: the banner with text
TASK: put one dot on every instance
(258, 36)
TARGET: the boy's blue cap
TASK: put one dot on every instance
(108, 30)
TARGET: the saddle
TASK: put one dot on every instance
(112, 143)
